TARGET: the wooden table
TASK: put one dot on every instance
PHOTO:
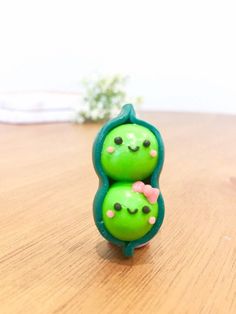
(52, 258)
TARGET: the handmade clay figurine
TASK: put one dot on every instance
(128, 155)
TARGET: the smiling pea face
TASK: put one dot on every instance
(129, 153)
(128, 215)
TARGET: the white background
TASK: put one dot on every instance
(180, 55)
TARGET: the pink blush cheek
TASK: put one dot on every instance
(110, 149)
(110, 214)
(153, 153)
(152, 220)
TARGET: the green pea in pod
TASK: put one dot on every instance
(128, 156)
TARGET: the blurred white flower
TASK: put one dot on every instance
(102, 98)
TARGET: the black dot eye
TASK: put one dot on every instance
(117, 206)
(146, 209)
(146, 143)
(118, 140)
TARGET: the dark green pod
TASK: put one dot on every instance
(127, 115)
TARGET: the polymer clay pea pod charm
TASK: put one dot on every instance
(128, 156)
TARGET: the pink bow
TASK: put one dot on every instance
(149, 192)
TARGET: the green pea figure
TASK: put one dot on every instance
(127, 214)
(129, 153)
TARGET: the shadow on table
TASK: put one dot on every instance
(113, 254)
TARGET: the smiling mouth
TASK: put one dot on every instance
(132, 211)
(133, 149)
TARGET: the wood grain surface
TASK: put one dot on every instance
(52, 258)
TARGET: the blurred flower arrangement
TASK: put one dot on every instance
(102, 98)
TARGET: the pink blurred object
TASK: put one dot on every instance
(149, 192)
